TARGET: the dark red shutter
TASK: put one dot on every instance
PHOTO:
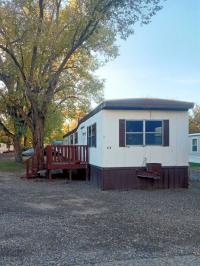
(88, 136)
(95, 134)
(121, 133)
(166, 133)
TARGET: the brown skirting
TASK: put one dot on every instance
(125, 178)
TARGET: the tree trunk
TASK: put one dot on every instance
(25, 141)
(17, 149)
(38, 137)
(38, 134)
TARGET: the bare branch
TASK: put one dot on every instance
(58, 3)
(67, 98)
(41, 6)
(35, 46)
(12, 55)
(5, 129)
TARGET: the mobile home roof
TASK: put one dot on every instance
(137, 104)
(194, 134)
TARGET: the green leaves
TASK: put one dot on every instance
(52, 48)
(194, 120)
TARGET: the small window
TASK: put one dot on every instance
(134, 132)
(91, 135)
(71, 140)
(76, 138)
(194, 145)
(153, 132)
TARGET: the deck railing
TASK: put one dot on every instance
(35, 163)
(67, 153)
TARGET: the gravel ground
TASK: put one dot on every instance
(195, 174)
(54, 223)
(7, 156)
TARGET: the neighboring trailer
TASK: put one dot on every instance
(194, 148)
(124, 135)
(6, 148)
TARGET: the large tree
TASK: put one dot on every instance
(12, 105)
(195, 120)
(47, 40)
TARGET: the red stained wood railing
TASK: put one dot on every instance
(67, 154)
(62, 154)
(35, 163)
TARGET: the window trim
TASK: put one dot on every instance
(144, 133)
(76, 138)
(195, 145)
(90, 126)
(71, 139)
(135, 120)
(162, 132)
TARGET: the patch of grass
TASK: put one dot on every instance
(11, 166)
(195, 165)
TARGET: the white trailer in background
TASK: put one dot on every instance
(194, 148)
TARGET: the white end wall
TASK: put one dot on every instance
(3, 147)
(95, 153)
(133, 156)
(194, 157)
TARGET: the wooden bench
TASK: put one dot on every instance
(152, 171)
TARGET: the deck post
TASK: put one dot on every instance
(27, 168)
(87, 173)
(49, 176)
(70, 175)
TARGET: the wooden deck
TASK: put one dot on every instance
(58, 157)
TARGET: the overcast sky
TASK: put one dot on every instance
(161, 59)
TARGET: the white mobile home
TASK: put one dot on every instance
(125, 135)
(194, 148)
(5, 148)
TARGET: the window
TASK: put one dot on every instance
(153, 132)
(67, 140)
(141, 132)
(194, 145)
(91, 135)
(134, 132)
(76, 138)
(71, 140)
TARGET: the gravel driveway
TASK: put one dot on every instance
(55, 223)
(195, 174)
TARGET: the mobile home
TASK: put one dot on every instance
(194, 148)
(126, 135)
(6, 148)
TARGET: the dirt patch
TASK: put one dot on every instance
(90, 211)
(77, 201)
(40, 206)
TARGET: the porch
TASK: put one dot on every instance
(58, 157)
